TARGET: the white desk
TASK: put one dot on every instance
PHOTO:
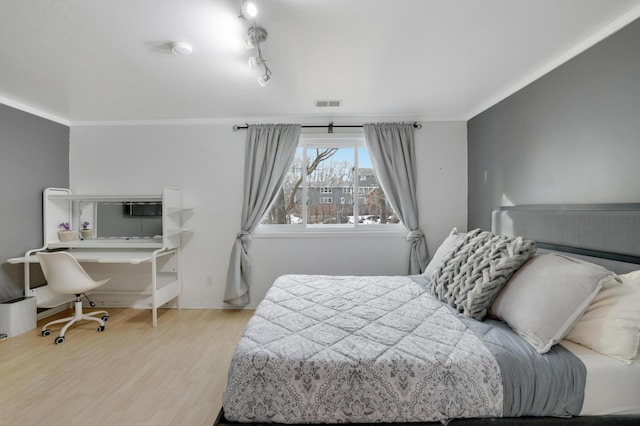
(95, 252)
(132, 256)
(60, 205)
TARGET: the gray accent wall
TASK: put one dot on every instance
(34, 154)
(572, 136)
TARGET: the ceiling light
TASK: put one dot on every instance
(253, 62)
(255, 36)
(181, 49)
(248, 43)
(264, 79)
(248, 10)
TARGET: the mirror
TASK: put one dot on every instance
(122, 219)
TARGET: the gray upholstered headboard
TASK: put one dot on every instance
(608, 234)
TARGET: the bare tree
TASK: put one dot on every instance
(377, 203)
(286, 201)
(320, 157)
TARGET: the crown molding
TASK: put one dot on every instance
(33, 111)
(589, 42)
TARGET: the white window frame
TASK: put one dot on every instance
(354, 140)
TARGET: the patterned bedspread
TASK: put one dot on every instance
(332, 349)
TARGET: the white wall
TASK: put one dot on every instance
(206, 162)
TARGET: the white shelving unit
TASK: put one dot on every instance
(161, 253)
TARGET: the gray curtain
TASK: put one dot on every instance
(392, 152)
(270, 149)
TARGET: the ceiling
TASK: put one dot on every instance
(89, 61)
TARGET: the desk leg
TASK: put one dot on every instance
(27, 271)
(27, 279)
(154, 291)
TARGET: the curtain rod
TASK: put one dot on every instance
(329, 126)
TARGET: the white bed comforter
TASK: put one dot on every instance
(331, 349)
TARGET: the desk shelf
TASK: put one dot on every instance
(164, 294)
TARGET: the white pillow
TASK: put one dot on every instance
(448, 244)
(611, 324)
(547, 295)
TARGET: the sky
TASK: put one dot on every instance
(364, 161)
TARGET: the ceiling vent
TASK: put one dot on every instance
(328, 103)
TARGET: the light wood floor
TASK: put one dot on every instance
(130, 374)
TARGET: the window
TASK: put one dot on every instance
(336, 165)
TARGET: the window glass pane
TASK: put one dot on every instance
(323, 187)
(373, 207)
(287, 208)
(329, 185)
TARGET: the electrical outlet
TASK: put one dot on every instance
(209, 281)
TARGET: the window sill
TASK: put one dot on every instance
(328, 231)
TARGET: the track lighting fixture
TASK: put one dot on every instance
(256, 35)
(264, 78)
(248, 10)
(259, 35)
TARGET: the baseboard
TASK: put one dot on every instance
(124, 299)
(134, 299)
(221, 305)
(52, 311)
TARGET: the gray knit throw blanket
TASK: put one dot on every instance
(477, 268)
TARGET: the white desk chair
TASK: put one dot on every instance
(65, 275)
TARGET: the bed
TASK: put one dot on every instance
(481, 337)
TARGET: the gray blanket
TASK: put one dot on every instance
(323, 349)
(535, 384)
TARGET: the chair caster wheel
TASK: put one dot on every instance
(59, 340)
(46, 332)
(101, 328)
(105, 318)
